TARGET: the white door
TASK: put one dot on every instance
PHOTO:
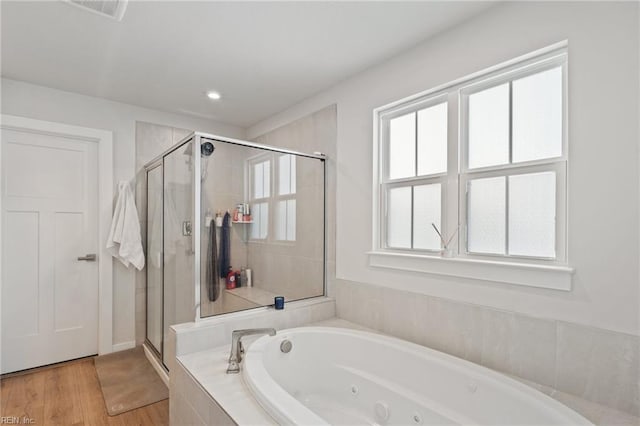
(49, 220)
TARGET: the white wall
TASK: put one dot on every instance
(603, 171)
(27, 100)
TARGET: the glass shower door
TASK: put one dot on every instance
(179, 290)
(154, 258)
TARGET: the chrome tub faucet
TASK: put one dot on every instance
(236, 346)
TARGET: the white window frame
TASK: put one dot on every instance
(387, 184)
(520, 270)
(558, 165)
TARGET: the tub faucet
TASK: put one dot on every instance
(236, 346)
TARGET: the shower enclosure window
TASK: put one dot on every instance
(283, 242)
(230, 225)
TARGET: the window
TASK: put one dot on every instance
(483, 160)
(417, 165)
(280, 200)
(514, 167)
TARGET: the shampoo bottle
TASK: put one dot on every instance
(231, 279)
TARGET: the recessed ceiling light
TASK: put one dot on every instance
(213, 95)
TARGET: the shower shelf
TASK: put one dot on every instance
(239, 222)
(243, 230)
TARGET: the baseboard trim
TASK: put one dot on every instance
(123, 346)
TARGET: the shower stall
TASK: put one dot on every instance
(230, 225)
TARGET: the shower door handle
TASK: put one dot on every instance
(187, 228)
(88, 257)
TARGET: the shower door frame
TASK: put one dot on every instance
(156, 163)
(159, 161)
(197, 138)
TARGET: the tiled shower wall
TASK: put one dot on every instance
(598, 365)
(222, 189)
(315, 132)
(151, 141)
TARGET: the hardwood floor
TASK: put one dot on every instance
(68, 394)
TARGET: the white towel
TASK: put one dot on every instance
(124, 242)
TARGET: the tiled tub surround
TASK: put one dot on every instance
(563, 358)
(189, 402)
(203, 394)
(216, 331)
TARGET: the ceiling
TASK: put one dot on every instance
(261, 56)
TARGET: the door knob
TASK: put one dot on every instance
(88, 257)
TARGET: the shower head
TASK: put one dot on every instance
(206, 149)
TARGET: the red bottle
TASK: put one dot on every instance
(231, 280)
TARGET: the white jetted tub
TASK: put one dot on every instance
(335, 376)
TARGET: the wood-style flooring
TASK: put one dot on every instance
(68, 394)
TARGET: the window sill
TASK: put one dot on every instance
(532, 275)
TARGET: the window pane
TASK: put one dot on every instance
(285, 220)
(402, 146)
(291, 220)
(261, 179)
(280, 220)
(286, 174)
(255, 227)
(293, 174)
(537, 116)
(258, 180)
(432, 140)
(532, 213)
(426, 210)
(489, 127)
(486, 212)
(266, 179)
(399, 220)
(264, 220)
(260, 221)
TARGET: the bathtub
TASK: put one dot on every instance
(335, 376)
